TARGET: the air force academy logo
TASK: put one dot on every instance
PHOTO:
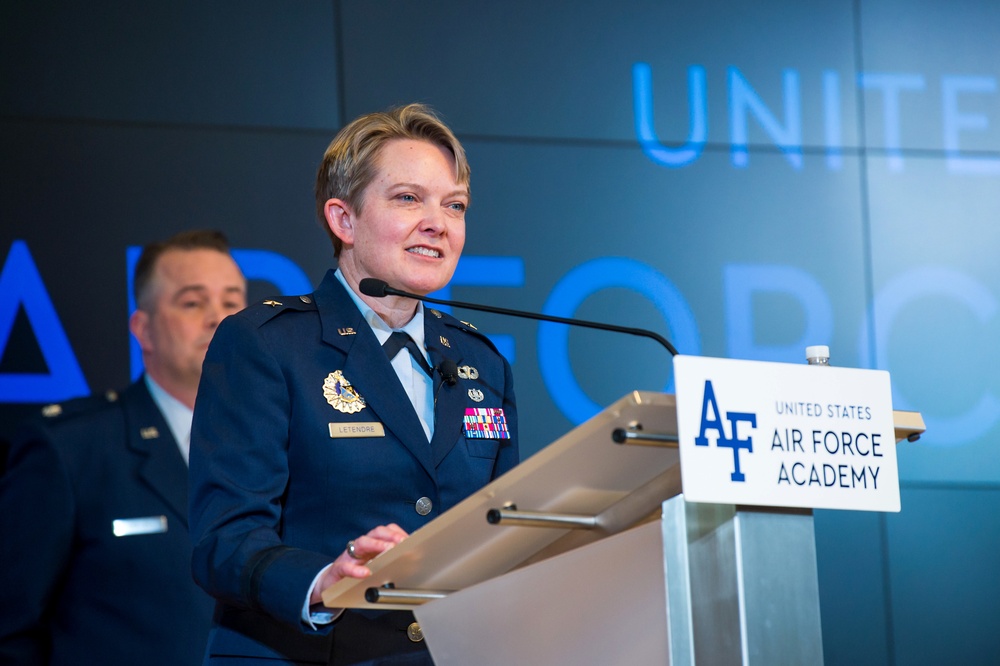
(711, 420)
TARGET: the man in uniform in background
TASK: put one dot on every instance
(93, 504)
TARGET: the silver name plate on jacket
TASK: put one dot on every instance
(133, 526)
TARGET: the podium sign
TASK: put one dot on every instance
(777, 434)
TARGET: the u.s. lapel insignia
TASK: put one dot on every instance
(435, 313)
(347, 331)
(476, 395)
(444, 341)
(467, 372)
(149, 432)
(341, 395)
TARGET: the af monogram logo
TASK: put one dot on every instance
(732, 441)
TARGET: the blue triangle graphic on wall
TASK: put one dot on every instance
(21, 285)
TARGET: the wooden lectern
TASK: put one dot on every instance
(587, 553)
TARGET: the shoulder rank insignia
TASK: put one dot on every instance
(48, 411)
(470, 325)
(272, 303)
(341, 395)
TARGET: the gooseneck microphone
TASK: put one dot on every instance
(379, 289)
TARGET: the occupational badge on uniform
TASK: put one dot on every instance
(485, 423)
(444, 341)
(476, 395)
(341, 395)
(467, 372)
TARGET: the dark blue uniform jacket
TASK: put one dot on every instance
(71, 591)
(275, 496)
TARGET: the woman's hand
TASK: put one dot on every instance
(352, 562)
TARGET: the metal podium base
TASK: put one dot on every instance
(751, 594)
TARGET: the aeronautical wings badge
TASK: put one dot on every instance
(339, 393)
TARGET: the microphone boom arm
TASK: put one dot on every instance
(531, 315)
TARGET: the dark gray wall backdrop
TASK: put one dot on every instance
(744, 177)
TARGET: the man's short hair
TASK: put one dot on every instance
(349, 164)
(145, 268)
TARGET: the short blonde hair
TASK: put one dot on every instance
(350, 162)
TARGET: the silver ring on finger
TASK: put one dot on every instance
(350, 549)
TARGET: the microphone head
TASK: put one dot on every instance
(373, 287)
(449, 371)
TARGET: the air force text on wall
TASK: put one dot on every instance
(23, 288)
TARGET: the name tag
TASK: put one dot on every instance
(368, 429)
(134, 526)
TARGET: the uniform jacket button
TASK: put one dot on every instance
(424, 506)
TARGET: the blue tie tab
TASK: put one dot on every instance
(397, 341)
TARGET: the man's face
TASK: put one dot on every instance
(411, 230)
(192, 291)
